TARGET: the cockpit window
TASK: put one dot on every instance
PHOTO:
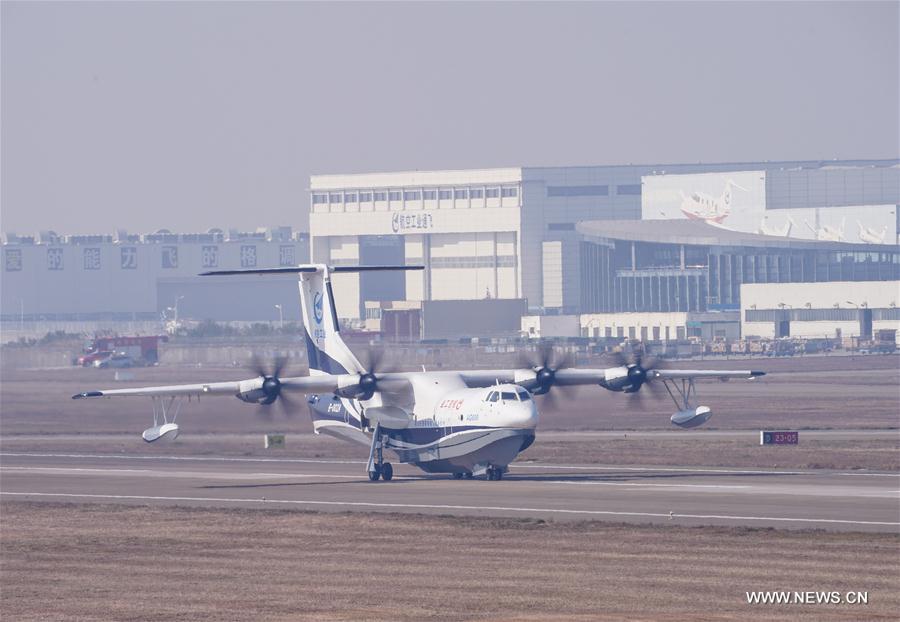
(510, 396)
(493, 396)
(524, 396)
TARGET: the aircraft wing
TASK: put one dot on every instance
(306, 384)
(579, 376)
(697, 374)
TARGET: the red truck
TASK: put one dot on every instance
(143, 350)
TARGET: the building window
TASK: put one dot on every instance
(14, 259)
(412, 195)
(350, 197)
(577, 191)
(561, 226)
(335, 197)
(92, 259)
(445, 195)
(476, 193)
(365, 197)
(509, 192)
(394, 195)
(493, 193)
(461, 193)
(54, 259)
(319, 198)
(128, 257)
(380, 196)
(429, 195)
(628, 189)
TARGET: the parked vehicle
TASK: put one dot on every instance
(116, 360)
(88, 360)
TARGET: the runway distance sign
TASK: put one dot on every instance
(768, 437)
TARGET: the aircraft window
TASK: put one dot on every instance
(493, 396)
(524, 396)
(510, 396)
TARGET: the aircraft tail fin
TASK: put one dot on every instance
(326, 350)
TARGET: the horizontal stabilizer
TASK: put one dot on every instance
(308, 268)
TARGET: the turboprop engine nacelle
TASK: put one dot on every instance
(252, 391)
(692, 417)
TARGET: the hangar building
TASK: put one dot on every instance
(510, 233)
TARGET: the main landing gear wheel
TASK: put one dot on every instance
(375, 474)
(468, 475)
(457, 476)
(494, 474)
(387, 471)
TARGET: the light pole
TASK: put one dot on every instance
(280, 317)
(177, 299)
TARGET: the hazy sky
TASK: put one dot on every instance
(192, 115)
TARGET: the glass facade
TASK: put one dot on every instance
(625, 276)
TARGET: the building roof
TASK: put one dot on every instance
(697, 233)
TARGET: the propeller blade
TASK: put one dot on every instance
(636, 400)
(549, 402)
(526, 359)
(569, 392)
(566, 360)
(287, 405)
(255, 365)
(281, 362)
(264, 411)
(618, 358)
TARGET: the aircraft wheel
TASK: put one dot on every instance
(373, 475)
(498, 474)
(387, 471)
(457, 476)
(491, 474)
(468, 475)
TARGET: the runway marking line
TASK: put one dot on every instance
(513, 465)
(422, 506)
(77, 470)
(175, 473)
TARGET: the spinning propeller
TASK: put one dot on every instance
(545, 362)
(271, 385)
(639, 372)
(373, 380)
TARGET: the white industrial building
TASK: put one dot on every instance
(820, 310)
(66, 281)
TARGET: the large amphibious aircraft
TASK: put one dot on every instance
(466, 423)
(701, 206)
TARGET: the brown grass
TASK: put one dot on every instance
(99, 562)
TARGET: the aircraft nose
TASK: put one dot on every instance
(528, 414)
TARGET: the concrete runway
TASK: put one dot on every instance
(803, 499)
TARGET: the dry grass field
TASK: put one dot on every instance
(99, 562)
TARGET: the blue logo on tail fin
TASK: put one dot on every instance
(317, 307)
